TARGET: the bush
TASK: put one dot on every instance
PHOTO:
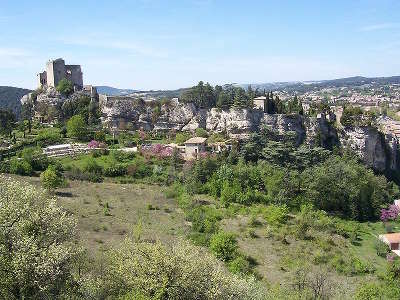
(224, 245)
(114, 170)
(65, 87)
(182, 137)
(201, 132)
(204, 220)
(382, 249)
(50, 178)
(139, 169)
(240, 265)
(48, 136)
(35, 158)
(38, 265)
(20, 167)
(181, 271)
(91, 166)
(77, 174)
(370, 291)
(276, 214)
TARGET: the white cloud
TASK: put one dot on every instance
(381, 26)
(112, 43)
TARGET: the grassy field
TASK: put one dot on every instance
(277, 259)
(107, 212)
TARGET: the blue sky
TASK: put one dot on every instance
(154, 44)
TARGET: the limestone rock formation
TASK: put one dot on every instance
(376, 149)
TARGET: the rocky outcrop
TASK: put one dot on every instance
(233, 120)
(120, 109)
(376, 149)
(283, 124)
(175, 115)
(50, 97)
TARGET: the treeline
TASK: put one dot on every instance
(269, 171)
(207, 96)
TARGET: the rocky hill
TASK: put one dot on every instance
(377, 149)
(10, 98)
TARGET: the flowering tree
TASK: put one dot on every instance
(93, 144)
(390, 214)
(36, 243)
(158, 150)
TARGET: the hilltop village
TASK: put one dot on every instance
(232, 115)
(250, 192)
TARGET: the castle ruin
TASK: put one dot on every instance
(57, 70)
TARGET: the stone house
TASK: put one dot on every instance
(259, 103)
(392, 240)
(195, 146)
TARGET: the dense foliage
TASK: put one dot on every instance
(36, 244)
(76, 128)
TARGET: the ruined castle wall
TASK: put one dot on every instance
(74, 74)
(42, 78)
(55, 72)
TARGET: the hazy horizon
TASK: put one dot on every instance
(159, 45)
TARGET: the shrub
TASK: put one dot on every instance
(48, 136)
(276, 214)
(65, 87)
(139, 169)
(204, 219)
(370, 291)
(201, 132)
(38, 265)
(50, 178)
(20, 167)
(382, 249)
(77, 174)
(91, 166)
(240, 265)
(224, 245)
(182, 137)
(114, 170)
(181, 271)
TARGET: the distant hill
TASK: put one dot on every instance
(111, 91)
(10, 98)
(302, 86)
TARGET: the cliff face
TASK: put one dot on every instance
(378, 150)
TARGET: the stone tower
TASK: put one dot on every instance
(57, 70)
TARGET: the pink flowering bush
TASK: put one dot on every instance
(93, 144)
(390, 214)
(157, 150)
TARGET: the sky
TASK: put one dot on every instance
(154, 44)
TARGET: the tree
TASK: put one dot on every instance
(179, 271)
(7, 122)
(36, 243)
(51, 179)
(76, 128)
(27, 114)
(65, 87)
(346, 187)
(240, 99)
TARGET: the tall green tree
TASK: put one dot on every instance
(7, 122)
(76, 128)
